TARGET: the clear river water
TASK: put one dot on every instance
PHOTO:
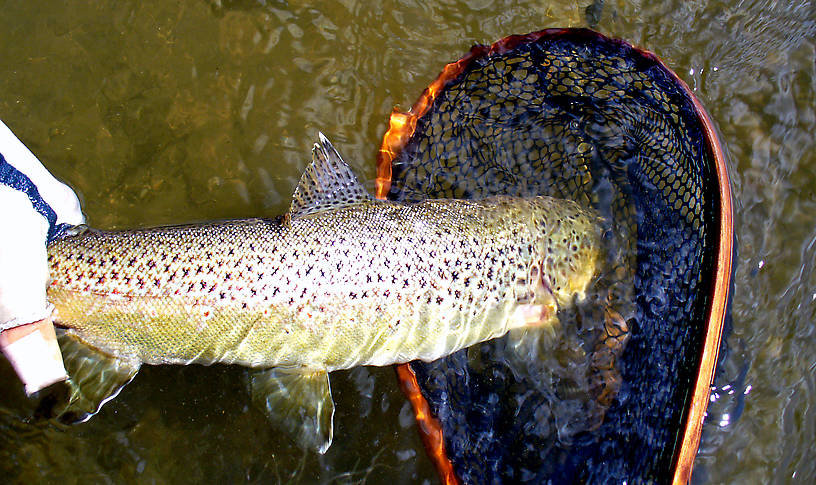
(160, 112)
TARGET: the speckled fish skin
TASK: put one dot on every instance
(372, 283)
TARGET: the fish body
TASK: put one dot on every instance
(342, 280)
(375, 283)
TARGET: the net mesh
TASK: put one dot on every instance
(576, 115)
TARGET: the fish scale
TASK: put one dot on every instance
(341, 280)
(328, 291)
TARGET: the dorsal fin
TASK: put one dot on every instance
(328, 183)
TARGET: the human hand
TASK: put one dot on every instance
(36, 207)
(34, 353)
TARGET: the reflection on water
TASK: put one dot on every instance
(160, 112)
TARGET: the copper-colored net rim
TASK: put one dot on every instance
(430, 430)
(715, 318)
(401, 128)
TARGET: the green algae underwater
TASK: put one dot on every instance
(161, 114)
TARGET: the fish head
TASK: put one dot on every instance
(567, 253)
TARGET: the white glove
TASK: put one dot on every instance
(33, 208)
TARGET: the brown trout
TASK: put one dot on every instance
(341, 280)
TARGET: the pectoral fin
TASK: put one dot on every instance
(535, 324)
(299, 402)
(94, 378)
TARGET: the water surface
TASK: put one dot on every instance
(165, 112)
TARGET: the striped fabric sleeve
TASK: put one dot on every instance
(34, 208)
